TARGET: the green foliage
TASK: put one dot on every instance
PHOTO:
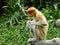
(13, 30)
(53, 13)
(53, 32)
(14, 35)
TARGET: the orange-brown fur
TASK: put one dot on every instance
(40, 31)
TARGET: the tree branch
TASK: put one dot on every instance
(54, 41)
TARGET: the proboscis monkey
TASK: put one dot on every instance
(39, 25)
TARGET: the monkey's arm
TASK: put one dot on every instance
(42, 23)
(28, 24)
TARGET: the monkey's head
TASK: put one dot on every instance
(31, 11)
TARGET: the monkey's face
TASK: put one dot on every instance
(31, 12)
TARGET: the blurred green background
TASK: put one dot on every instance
(13, 18)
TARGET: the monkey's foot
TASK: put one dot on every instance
(32, 40)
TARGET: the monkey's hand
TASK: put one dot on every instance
(29, 25)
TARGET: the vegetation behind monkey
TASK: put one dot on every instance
(2, 8)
